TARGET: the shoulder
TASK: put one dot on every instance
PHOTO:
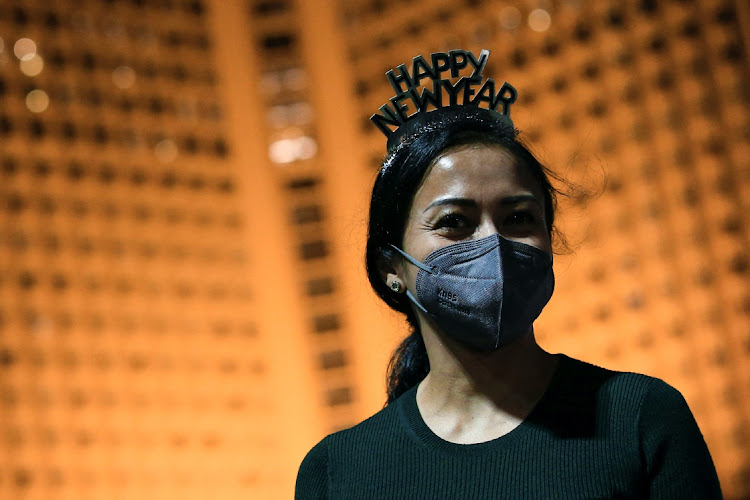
(676, 457)
(588, 398)
(640, 393)
(377, 428)
(649, 401)
(584, 385)
(344, 448)
(654, 418)
(593, 376)
(312, 477)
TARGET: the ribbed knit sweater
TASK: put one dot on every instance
(594, 434)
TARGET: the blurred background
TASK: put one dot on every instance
(183, 201)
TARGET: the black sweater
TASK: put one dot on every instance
(594, 434)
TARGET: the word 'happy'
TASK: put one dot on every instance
(470, 90)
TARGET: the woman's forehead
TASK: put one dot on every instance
(477, 170)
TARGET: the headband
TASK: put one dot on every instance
(410, 111)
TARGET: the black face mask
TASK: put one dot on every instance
(484, 293)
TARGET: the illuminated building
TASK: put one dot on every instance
(183, 203)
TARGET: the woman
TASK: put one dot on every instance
(461, 224)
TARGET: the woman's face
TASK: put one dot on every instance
(471, 192)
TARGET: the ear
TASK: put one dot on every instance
(389, 270)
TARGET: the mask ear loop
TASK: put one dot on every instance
(415, 301)
(414, 261)
(421, 266)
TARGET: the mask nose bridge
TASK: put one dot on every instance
(487, 227)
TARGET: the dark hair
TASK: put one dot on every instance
(396, 184)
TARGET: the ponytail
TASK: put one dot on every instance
(408, 366)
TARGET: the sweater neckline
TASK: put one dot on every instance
(418, 429)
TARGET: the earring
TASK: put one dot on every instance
(395, 286)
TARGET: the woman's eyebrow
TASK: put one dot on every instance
(512, 200)
(468, 202)
(463, 202)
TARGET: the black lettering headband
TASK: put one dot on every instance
(410, 110)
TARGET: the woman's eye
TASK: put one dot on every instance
(452, 221)
(520, 218)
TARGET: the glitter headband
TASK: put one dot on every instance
(411, 111)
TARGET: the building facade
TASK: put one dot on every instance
(183, 210)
